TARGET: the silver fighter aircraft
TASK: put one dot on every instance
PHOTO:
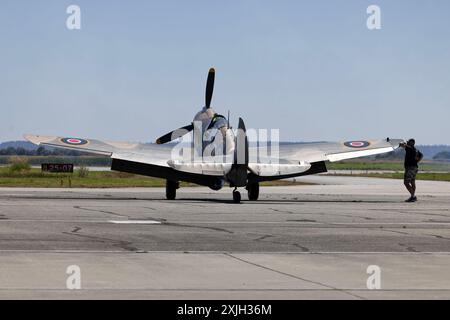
(217, 154)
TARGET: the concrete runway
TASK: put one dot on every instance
(303, 242)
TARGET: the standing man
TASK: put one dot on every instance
(412, 158)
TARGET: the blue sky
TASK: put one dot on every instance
(137, 69)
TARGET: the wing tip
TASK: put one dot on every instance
(37, 139)
(395, 143)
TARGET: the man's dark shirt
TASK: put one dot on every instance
(410, 157)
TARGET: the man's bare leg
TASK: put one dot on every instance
(410, 188)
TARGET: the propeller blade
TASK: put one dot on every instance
(209, 87)
(175, 134)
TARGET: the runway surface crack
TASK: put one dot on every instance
(293, 276)
(101, 211)
(125, 245)
(408, 248)
(194, 226)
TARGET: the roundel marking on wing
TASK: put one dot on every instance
(357, 144)
(74, 141)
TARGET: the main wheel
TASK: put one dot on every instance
(171, 189)
(253, 191)
(236, 197)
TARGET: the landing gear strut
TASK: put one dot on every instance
(236, 196)
(171, 189)
(253, 191)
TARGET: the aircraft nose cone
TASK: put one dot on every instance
(204, 114)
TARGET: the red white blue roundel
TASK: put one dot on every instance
(74, 141)
(357, 144)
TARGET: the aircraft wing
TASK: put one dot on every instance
(144, 159)
(144, 153)
(336, 151)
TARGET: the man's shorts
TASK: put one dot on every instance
(410, 174)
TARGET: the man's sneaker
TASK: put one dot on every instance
(414, 199)
(410, 199)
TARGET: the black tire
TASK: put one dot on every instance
(236, 197)
(171, 189)
(253, 191)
